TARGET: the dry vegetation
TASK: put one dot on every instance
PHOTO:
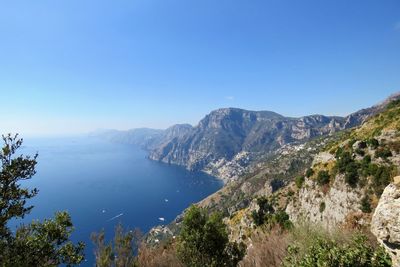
(268, 248)
(162, 256)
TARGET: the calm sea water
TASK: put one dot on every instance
(95, 181)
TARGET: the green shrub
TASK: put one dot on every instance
(329, 252)
(323, 178)
(265, 208)
(343, 158)
(382, 176)
(322, 207)
(366, 159)
(383, 152)
(204, 241)
(266, 214)
(299, 181)
(309, 172)
(364, 166)
(366, 204)
(360, 152)
(373, 143)
(282, 218)
(351, 174)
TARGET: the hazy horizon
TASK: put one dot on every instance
(89, 131)
(70, 67)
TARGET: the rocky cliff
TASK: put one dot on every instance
(385, 224)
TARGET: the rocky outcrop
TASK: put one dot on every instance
(329, 209)
(385, 224)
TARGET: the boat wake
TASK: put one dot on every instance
(115, 217)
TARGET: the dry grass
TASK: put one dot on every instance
(163, 256)
(266, 249)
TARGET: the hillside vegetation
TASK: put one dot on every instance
(291, 208)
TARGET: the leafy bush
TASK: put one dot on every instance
(329, 252)
(366, 159)
(351, 174)
(347, 165)
(265, 208)
(360, 152)
(383, 152)
(309, 172)
(323, 178)
(282, 219)
(266, 214)
(343, 158)
(366, 204)
(382, 176)
(299, 181)
(204, 241)
(373, 143)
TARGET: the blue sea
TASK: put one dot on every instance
(101, 184)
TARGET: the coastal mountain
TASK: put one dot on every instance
(228, 140)
(224, 133)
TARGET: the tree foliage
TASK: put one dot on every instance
(203, 241)
(35, 244)
(267, 214)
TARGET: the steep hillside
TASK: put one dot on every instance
(331, 181)
(357, 169)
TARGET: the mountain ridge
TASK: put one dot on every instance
(227, 141)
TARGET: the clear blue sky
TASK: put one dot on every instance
(71, 66)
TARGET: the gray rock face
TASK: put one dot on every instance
(385, 224)
(338, 203)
